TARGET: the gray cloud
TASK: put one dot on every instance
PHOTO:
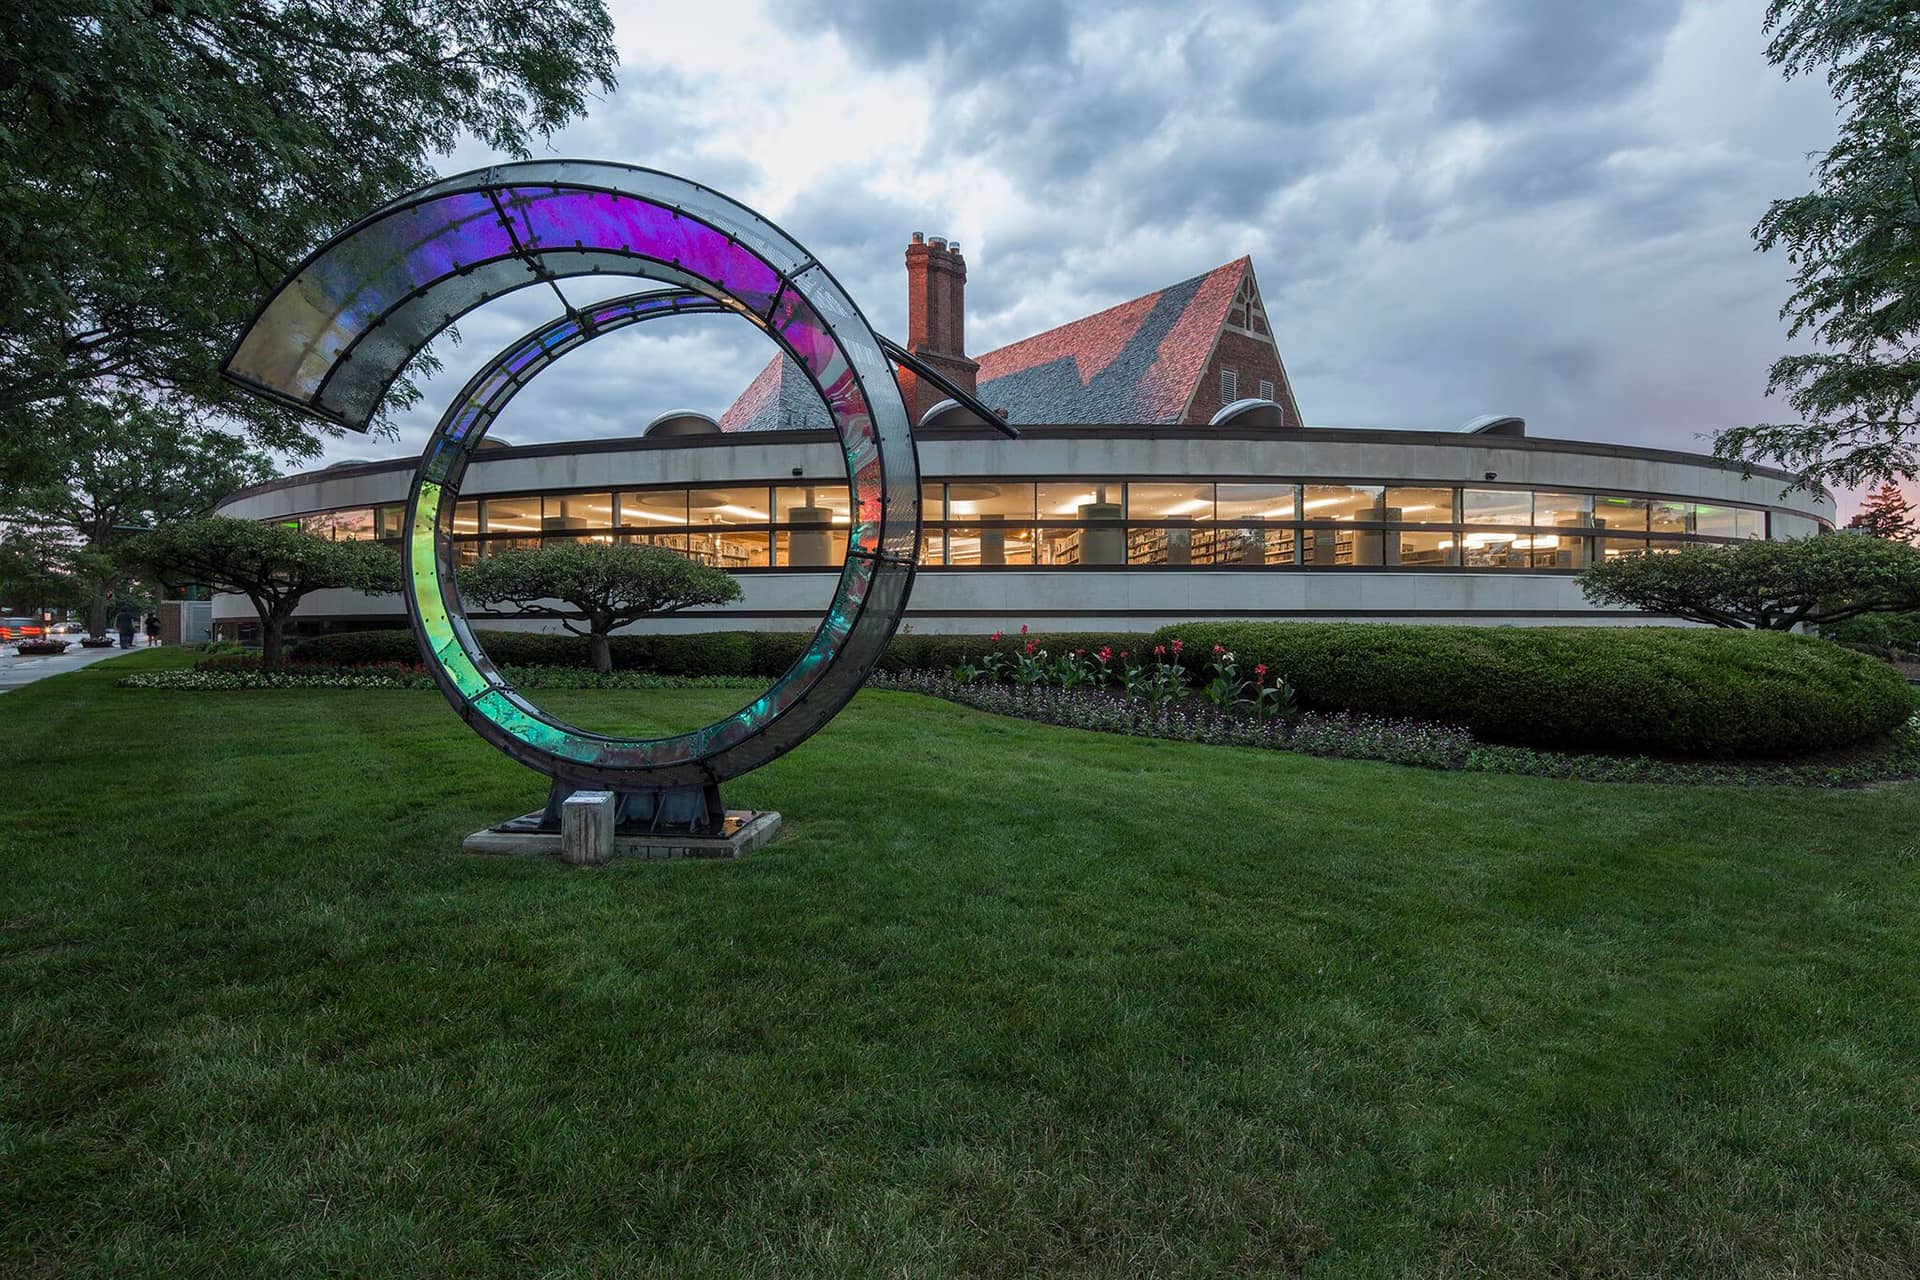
(1537, 208)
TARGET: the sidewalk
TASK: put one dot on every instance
(17, 671)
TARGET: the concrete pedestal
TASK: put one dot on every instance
(743, 831)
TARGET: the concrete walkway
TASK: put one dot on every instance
(16, 671)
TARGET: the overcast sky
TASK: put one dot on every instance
(1518, 206)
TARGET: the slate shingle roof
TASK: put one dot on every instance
(1138, 362)
(778, 397)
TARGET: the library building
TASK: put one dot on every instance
(1163, 472)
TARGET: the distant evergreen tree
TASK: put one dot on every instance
(1885, 514)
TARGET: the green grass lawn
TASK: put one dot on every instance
(1003, 999)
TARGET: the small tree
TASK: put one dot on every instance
(273, 565)
(606, 585)
(1885, 514)
(1765, 585)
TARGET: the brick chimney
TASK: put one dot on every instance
(936, 319)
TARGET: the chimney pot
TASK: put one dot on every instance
(938, 242)
(919, 237)
(953, 247)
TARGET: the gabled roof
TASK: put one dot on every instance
(1138, 362)
(778, 397)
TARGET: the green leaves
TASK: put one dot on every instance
(1764, 585)
(271, 564)
(609, 584)
(163, 166)
(1855, 243)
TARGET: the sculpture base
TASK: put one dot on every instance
(742, 831)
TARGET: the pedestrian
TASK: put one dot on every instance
(153, 628)
(123, 622)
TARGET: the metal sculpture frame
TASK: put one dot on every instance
(334, 336)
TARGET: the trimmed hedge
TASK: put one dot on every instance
(1656, 690)
(709, 653)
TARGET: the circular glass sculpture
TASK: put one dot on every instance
(334, 337)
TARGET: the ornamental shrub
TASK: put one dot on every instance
(1660, 690)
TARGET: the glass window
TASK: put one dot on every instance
(1249, 545)
(1063, 546)
(1169, 502)
(1420, 506)
(1749, 523)
(1349, 548)
(933, 502)
(1493, 551)
(989, 545)
(320, 525)
(1258, 502)
(1342, 501)
(1605, 549)
(513, 515)
(729, 550)
(466, 517)
(1496, 506)
(653, 508)
(824, 503)
(670, 541)
(1671, 517)
(1553, 550)
(742, 504)
(576, 512)
(1715, 522)
(355, 524)
(1563, 510)
(388, 521)
(1079, 500)
(1160, 546)
(1620, 513)
(970, 500)
(1421, 548)
(933, 546)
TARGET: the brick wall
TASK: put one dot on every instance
(1252, 361)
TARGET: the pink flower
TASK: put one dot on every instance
(995, 637)
(1023, 628)
(1032, 645)
(1106, 651)
(1260, 670)
(1219, 649)
(1123, 655)
(1159, 651)
(1079, 653)
(1178, 645)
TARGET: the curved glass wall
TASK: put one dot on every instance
(1092, 523)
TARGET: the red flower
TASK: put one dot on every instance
(1159, 651)
(1260, 670)
(1219, 649)
(1079, 653)
(1023, 628)
(1178, 645)
(1106, 651)
(1123, 655)
(1032, 645)
(995, 637)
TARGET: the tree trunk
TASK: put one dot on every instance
(600, 651)
(97, 612)
(272, 625)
